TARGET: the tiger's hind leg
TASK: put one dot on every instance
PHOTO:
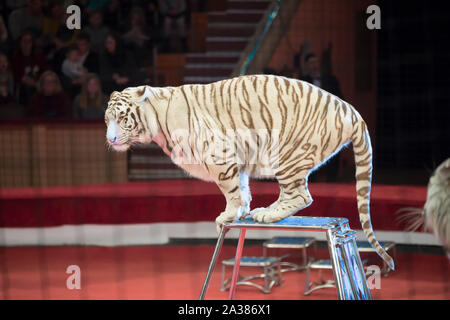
(294, 196)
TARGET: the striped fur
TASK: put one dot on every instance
(303, 127)
(435, 214)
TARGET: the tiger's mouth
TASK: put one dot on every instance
(121, 147)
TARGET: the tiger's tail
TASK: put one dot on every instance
(363, 162)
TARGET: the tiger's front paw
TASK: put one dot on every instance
(224, 217)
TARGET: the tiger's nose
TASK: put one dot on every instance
(111, 133)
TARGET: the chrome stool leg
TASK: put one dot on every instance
(237, 263)
(213, 262)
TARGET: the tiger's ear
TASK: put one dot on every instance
(113, 94)
(143, 93)
(444, 170)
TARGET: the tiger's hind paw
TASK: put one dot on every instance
(265, 215)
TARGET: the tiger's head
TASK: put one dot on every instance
(124, 119)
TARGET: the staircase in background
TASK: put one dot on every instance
(228, 33)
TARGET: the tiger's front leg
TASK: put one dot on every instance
(228, 179)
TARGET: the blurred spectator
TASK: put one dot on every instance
(72, 66)
(4, 39)
(96, 30)
(27, 65)
(299, 58)
(313, 75)
(50, 100)
(152, 13)
(58, 36)
(173, 14)
(50, 28)
(116, 65)
(137, 36)
(330, 83)
(15, 4)
(27, 18)
(113, 17)
(89, 58)
(97, 4)
(91, 102)
(6, 81)
(52, 21)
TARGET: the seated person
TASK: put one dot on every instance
(73, 72)
(5, 43)
(50, 101)
(72, 66)
(313, 75)
(138, 34)
(27, 18)
(91, 102)
(96, 30)
(113, 16)
(6, 81)
(173, 14)
(89, 58)
(27, 65)
(55, 34)
(117, 66)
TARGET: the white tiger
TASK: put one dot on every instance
(209, 131)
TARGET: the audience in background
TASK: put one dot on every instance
(151, 13)
(26, 18)
(27, 65)
(116, 65)
(173, 14)
(6, 81)
(97, 31)
(96, 4)
(72, 66)
(91, 102)
(113, 16)
(4, 38)
(314, 75)
(51, 22)
(115, 47)
(138, 34)
(50, 101)
(89, 58)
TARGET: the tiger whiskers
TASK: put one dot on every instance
(414, 218)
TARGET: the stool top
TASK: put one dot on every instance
(289, 242)
(365, 246)
(321, 264)
(253, 261)
(294, 222)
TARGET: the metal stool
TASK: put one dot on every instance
(364, 246)
(320, 265)
(347, 267)
(302, 243)
(271, 272)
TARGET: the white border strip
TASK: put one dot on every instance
(160, 233)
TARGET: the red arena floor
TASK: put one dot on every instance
(177, 272)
